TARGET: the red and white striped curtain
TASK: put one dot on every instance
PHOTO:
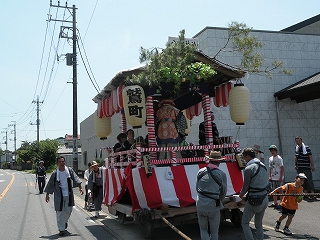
(222, 94)
(115, 106)
(119, 95)
(194, 110)
(111, 105)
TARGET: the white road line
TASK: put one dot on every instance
(91, 221)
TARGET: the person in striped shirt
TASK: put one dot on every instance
(303, 163)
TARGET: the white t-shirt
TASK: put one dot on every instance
(86, 175)
(275, 164)
(64, 183)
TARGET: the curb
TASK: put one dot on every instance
(103, 215)
(106, 220)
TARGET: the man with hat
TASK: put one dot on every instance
(95, 185)
(41, 176)
(212, 188)
(276, 173)
(255, 185)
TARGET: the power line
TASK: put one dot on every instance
(57, 56)
(73, 58)
(42, 55)
(49, 55)
(46, 75)
(95, 82)
(94, 9)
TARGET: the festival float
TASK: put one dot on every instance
(156, 191)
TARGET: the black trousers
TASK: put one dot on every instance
(41, 184)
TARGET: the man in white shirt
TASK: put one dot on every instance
(61, 182)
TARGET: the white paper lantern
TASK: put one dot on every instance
(134, 105)
(102, 126)
(239, 101)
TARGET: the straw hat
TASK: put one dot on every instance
(94, 163)
(215, 156)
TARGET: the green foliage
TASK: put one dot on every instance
(24, 156)
(2, 152)
(176, 63)
(248, 47)
(45, 150)
(51, 168)
(6, 165)
(48, 151)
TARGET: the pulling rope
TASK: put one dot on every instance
(295, 194)
(173, 227)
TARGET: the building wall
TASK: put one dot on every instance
(273, 122)
(69, 160)
(7, 158)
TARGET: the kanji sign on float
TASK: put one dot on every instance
(134, 105)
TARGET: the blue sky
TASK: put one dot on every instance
(112, 33)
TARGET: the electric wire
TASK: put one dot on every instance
(95, 85)
(94, 9)
(49, 55)
(53, 73)
(46, 86)
(27, 115)
(95, 82)
(30, 111)
(53, 107)
(42, 55)
(56, 48)
(27, 112)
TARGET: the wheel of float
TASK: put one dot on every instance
(236, 216)
(146, 229)
(121, 217)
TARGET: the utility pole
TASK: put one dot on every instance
(72, 60)
(14, 139)
(37, 123)
(38, 118)
(6, 143)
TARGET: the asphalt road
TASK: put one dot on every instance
(26, 215)
(305, 225)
